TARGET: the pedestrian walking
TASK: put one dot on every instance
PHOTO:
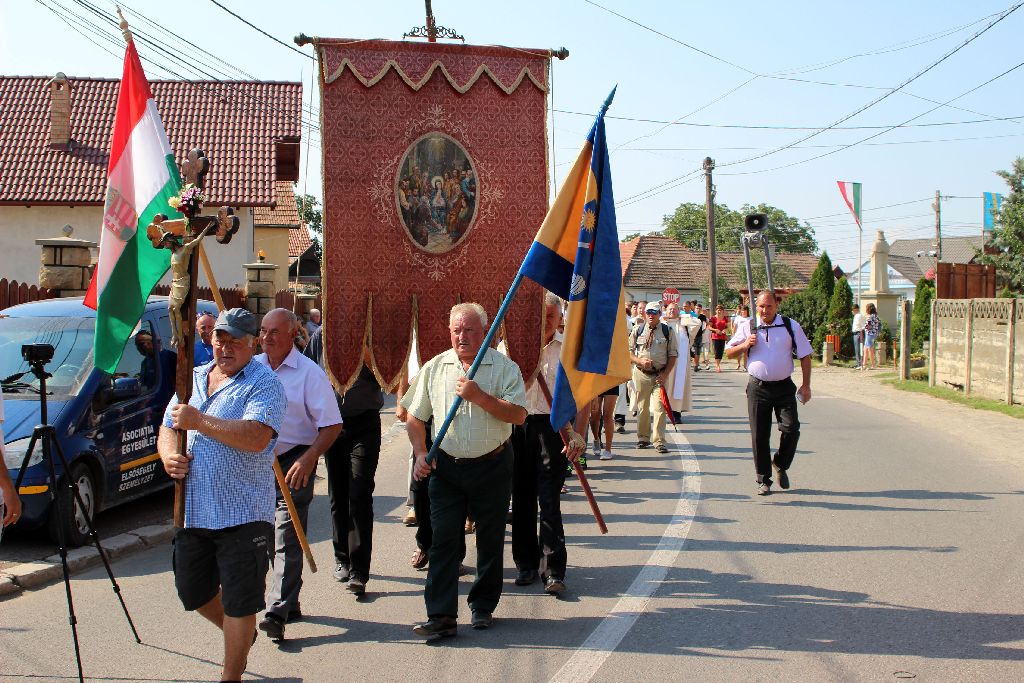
(742, 316)
(351, 473)
(771, 348)
(473, 467)
(541, 460)
(653, 351)
(312, 423)
(719, 326)
(221, 556)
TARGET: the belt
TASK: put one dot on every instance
(480, 458)
(769, 382)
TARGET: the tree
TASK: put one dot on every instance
(921, 317)
(689, 225)
(630, 236)
(1008, 232)
(840, 316)
(783, 275)
(727, 296)
(810, 307)
(785, 231)
(310, 214)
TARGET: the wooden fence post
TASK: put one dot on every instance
(968, 346)
(1011, 337)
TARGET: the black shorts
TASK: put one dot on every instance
(614, 391)
(719, 345)
(695, 349)
(234, 560)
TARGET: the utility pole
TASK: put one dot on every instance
(709, 165)
(938, 236)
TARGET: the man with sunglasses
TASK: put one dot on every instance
(771, 348)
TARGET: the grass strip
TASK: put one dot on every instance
(955, 396)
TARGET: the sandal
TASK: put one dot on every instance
(419, 559)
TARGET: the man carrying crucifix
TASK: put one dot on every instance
(233, 418)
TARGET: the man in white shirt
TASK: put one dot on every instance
(539, 471)
(311, 424)
(770, 389)
(859, 322)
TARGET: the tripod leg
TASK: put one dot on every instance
(46, 433)
(28, 456)
(96, 540)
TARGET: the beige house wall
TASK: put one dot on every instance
(274, 243)
(978, 346)
(21, 226)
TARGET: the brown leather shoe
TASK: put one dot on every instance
(419, 559)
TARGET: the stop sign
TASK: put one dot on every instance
(670, 296)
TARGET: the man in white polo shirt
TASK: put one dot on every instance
(770, 353)
(311, 424)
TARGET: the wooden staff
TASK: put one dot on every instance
(564, 433)
(285, 492)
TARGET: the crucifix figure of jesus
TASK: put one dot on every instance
(184, 238)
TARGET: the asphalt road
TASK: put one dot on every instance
(896, 554)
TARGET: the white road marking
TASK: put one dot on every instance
(603, 641)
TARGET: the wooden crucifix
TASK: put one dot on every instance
(184, 238)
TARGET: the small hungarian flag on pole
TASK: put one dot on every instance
(851, 195)
(141, 177)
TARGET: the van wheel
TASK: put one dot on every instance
(71, 519)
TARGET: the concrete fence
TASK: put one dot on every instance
(974, 345)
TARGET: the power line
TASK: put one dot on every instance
(258, 29)
(145, 39)
(882, 97)
(792, 127)
(870, 144)
(871, 137)
(668, 37)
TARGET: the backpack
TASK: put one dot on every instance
(635, 335)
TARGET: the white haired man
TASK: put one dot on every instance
(473, 468)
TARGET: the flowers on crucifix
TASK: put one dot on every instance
(189, 201)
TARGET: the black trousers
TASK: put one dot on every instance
(539, 473)
(763, 400)
(351, 467)
(480, 487)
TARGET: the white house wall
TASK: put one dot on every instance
(21, 226)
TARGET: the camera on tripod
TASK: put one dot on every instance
(37, 354)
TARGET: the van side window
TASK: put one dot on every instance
(139, 358)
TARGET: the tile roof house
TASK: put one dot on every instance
(650, 263)
(278, 231)
(910, 260)
(54, 141)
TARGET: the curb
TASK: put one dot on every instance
(42, 572)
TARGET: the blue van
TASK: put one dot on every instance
(106, 424)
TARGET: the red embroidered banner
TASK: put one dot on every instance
(435, 182)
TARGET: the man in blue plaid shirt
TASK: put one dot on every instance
(233, 418)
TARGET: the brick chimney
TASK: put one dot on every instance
(60, 111)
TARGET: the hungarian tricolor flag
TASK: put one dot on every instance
(141, 177)
(851, 195)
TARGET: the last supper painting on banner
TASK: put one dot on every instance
(435, 183)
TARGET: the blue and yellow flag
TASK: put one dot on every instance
(576, 256)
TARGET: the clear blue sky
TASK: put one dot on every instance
(861, 49)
